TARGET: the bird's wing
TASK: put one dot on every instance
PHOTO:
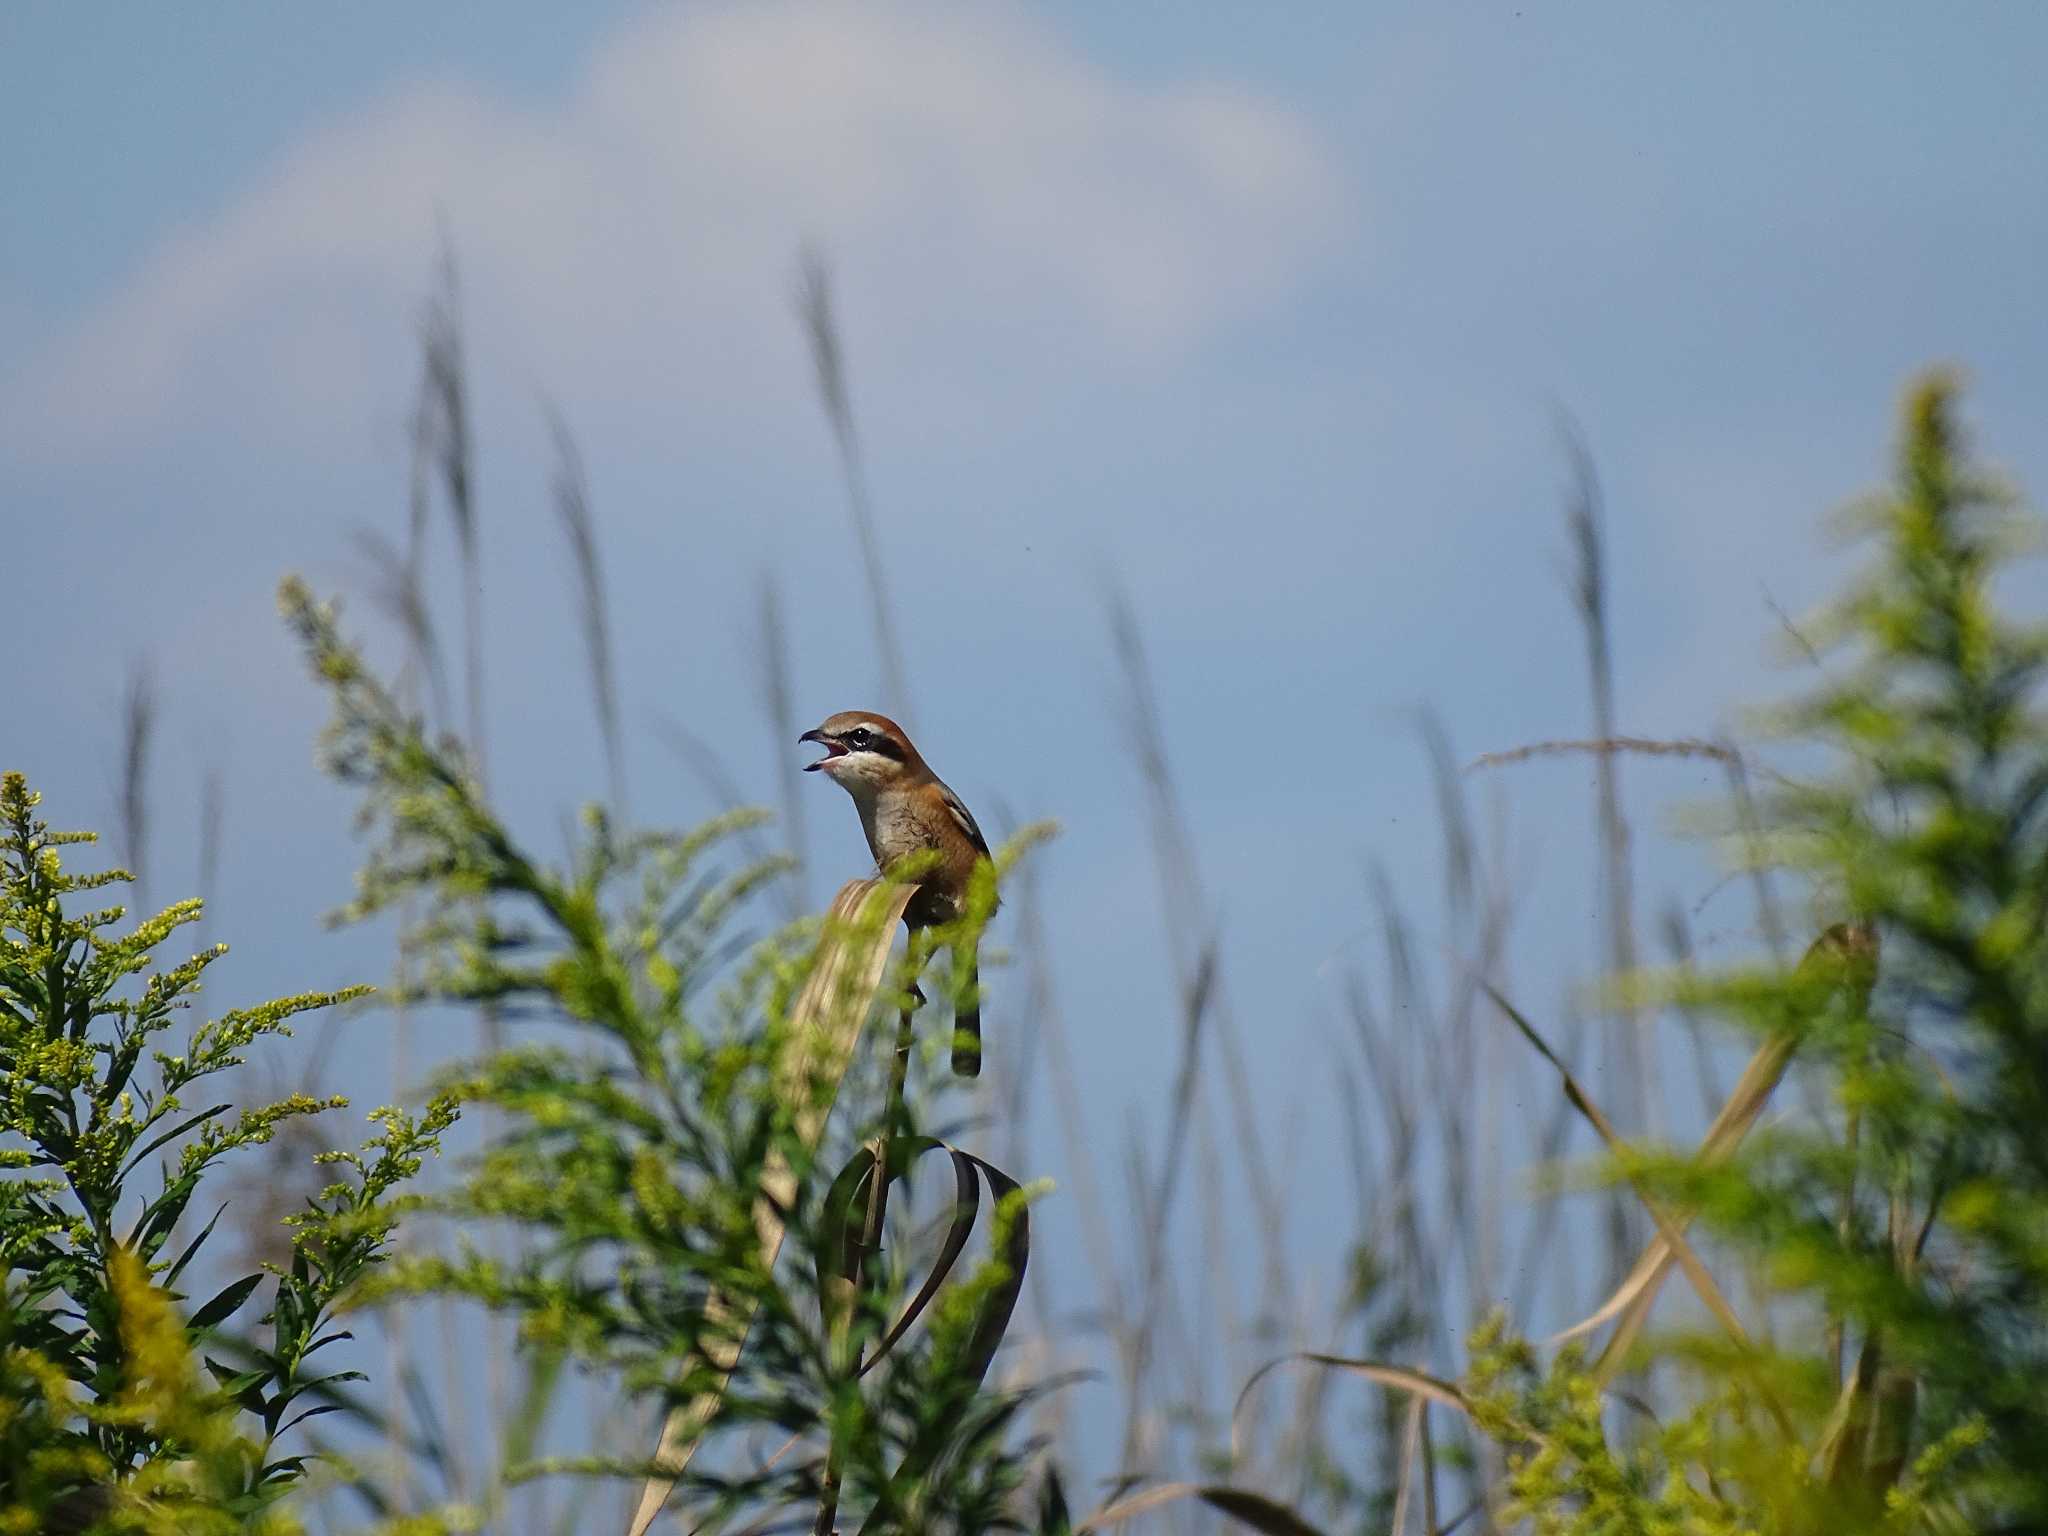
(965, 818)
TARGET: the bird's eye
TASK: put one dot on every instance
(860, 738)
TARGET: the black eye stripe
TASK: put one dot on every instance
(865, 739)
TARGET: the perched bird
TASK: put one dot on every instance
(904, 810)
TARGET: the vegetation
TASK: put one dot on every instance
(657, 1162)
(1899, 1229)
(106, 1415)
(678, 1210)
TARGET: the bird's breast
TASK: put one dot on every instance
(895, 830)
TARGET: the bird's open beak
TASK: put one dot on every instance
(832, 748)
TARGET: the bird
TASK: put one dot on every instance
(907, 809)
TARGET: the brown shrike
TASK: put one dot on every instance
(905, 810)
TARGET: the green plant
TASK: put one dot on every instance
(666, 1166)
(1906, 1226)
(1893, 1379)
(105, 1412)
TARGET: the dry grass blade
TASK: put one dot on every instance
(396, 586)
(778, 690)
(1050, 1032)
(1669, 1230)
(1428, 1448)
(138, 735)
(444, 393)
(212, 815)
(828, 359)
(572, 506)
(1411, 1446)
(1194, 1009)
(1400, 1377)
(1608, 746)
(1851, 948)
(1744, 1105)
(825, 1027)
(449, 450)
(1197, 973)
(1628, 1045)
(1246, 1508)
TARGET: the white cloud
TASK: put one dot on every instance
(974, 179)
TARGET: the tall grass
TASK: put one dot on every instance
(815, 308)
(1429, 1165)
(1242, 1388)
(1625, 1043)
(579, 529)
(138, 743)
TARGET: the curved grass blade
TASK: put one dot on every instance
(959, 1227)
(1744, 1106)
(1245, 1507)
(1001, 1302)
(1669, 1230)
(992, 1319)
(1400, 1377)
(1851, 949)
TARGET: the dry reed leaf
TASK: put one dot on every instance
(1853, 947)
(1411, 1446)
(1745, 1106)
(1252, 1509)
(825, 1028)
(1745, 1103)
(1399, 1377)
(1670, 1231)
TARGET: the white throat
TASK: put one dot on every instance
(864, 793)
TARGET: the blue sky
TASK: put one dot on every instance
(1265, 317)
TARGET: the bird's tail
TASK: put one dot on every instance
(967, 1022)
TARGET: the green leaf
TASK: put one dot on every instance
(178, 1268)
(135, 1158)
(223, 1305)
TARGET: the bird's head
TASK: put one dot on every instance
(864, 752)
